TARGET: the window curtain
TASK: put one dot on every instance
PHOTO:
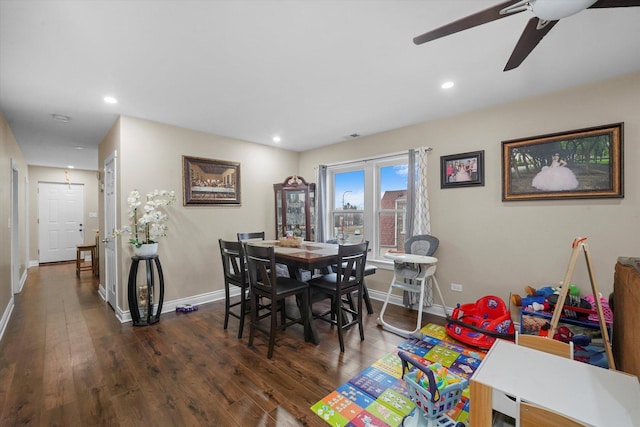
(321, 203)
(417, 218)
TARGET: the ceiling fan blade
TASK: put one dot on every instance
(479, 18)
(535, 30)
(615, 3)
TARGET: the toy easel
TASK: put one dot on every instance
(577, 245)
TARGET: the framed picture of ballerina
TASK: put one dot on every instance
(579, 164)
(462, 170)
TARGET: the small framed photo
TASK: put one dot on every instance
(578, 164)
(210, 182)
(462, 170)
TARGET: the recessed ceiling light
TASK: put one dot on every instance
(70, 167)
(77, 147)
(276, 139)
(447, 85)
(60, 118)
(110, 100)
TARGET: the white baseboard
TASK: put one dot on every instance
(168, 306)
(435, 309)
(4, 321)
(23, 280)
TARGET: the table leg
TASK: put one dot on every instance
(481, 408)
(311, 335)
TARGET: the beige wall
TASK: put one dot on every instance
(495, 247)
(10, 153)
(150, 157)
(89, 179)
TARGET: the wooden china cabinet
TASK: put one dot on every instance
(295, 208)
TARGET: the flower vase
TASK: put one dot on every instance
(146, 249)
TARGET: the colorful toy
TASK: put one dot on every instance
(185, 308)
(540, 296)
(480, 323)
(432, 388)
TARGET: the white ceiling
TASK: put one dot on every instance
(311, 71)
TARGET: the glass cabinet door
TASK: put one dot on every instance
(294, 202)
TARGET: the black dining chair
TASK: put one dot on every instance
(235, 274)
(340, 287)
(369, 269)
(265, 284)
(253, 235)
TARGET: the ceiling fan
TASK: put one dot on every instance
(547, 14)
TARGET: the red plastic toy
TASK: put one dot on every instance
(479, 324)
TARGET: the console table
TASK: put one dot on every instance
(141, 296)
(589, 394)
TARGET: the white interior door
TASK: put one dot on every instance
(110, 264)
(15, 223)
(60, 213)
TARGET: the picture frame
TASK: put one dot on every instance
(462, 170)
(210, 182)
(578, 164)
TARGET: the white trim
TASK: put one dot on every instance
(23, 280)
(169, 306)
(6, 316)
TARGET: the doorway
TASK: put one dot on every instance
(60, 221)
(15, 231)
(110, 265)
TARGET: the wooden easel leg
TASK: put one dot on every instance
(566, 282)
(596, 296)
(579, 244)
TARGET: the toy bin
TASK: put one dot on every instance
(432, 388)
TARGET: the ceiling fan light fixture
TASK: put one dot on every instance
(553, 10)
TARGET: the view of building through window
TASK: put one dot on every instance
(369, 202)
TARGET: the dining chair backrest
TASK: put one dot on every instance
(253, 235)
(546, 344)
(261, 262)
(421, 244)
(352, 259)
(233, 266)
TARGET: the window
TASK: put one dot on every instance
(369, 200)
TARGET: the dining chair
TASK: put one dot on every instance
(546, 344)
(339, 287)
(235, 274)
(369, 269)
(537, 416)
(253, 235)
(265, 283)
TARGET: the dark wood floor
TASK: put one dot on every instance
(65, 360)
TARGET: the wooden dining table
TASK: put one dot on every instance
(309, 256)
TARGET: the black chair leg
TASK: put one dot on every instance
(340, 319)
(367, 300)
(227, 307)
(274, 327)
(254, 319)
(243, 313)
(360, 325)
